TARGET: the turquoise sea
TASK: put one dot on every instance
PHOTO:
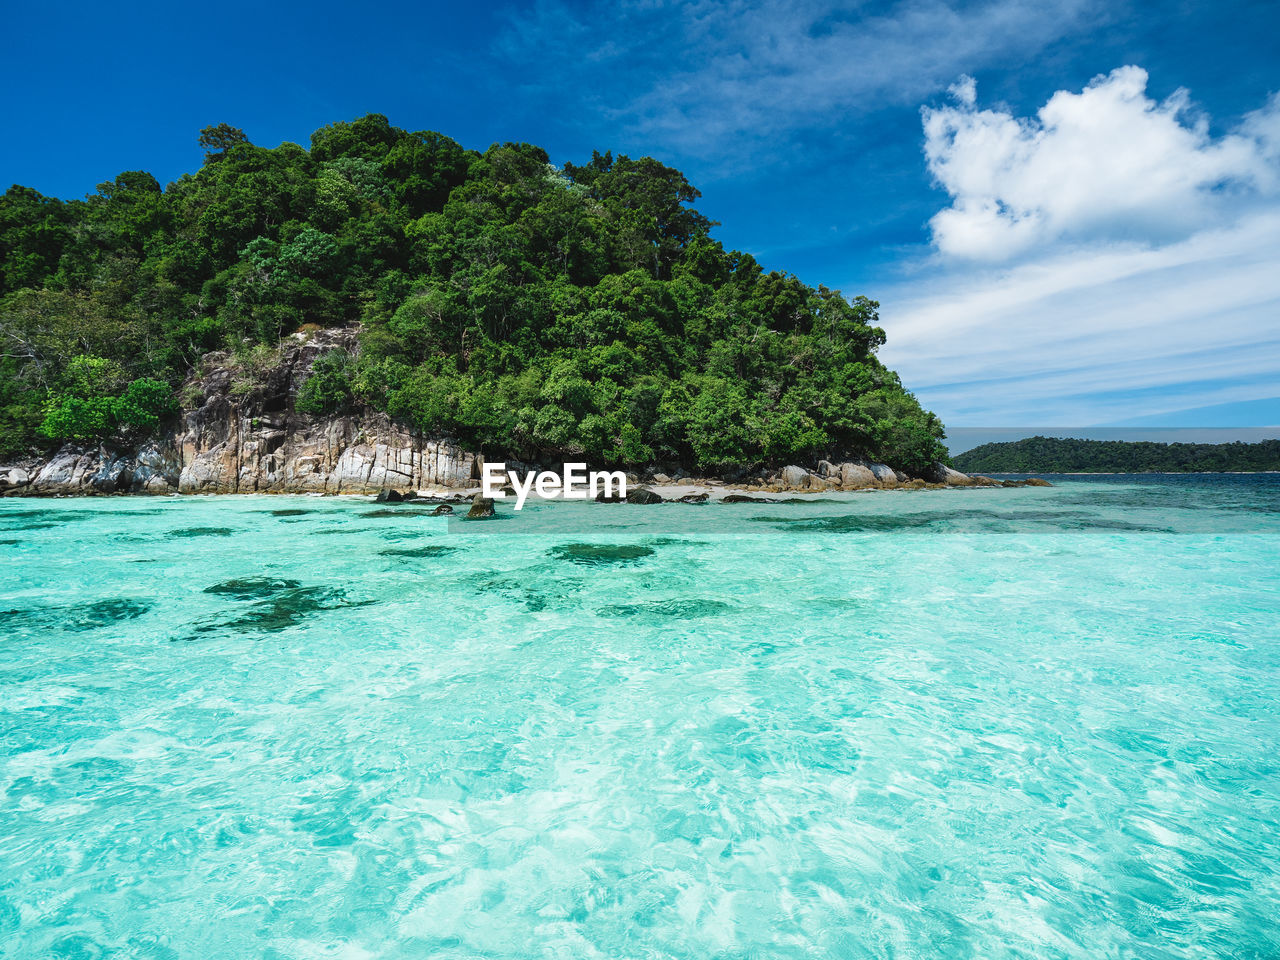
(945, 724)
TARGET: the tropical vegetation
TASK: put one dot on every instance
(536, 310)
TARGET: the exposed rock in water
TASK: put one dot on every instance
(694, 498)
(603, 497)
(443, 510)
(481, 507)
(1029, 482)
(643, 495)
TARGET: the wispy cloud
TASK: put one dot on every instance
(708, 78)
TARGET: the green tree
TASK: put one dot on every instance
(219, 139)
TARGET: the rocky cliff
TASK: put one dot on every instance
(241, 435)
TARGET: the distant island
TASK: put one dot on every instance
(1065, 455)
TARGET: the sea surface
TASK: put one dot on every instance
(940, 724)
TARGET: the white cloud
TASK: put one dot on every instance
(1108, 163)
(1105, 261)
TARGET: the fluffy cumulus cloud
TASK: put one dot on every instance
(1106, 163)
(1107, 260)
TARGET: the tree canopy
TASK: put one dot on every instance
(526, 309)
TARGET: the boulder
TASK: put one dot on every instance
(942, 474)
(643, 495)
(14, 477)
(828, 469)
(481, 508)
(856, 476)
(661, 478)
(443, 510)
(795, 478)
(694, 498)
(390, 496)
(603, 497)
(884, 474)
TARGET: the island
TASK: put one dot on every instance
(387, 309)
(1067, 455)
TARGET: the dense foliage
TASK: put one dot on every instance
(1056, 455)
(522, 308)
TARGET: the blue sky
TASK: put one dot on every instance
(1069, 210)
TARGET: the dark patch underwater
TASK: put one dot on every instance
(676, 609)
(430, 550)
(599, 554)
(77, 617)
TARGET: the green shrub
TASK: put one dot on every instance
(328, 388)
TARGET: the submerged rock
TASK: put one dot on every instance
(594, 554)
(253, 588)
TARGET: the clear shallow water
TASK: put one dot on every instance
(955, 724)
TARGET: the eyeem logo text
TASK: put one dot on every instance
(574, 484)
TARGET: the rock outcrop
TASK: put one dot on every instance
(238, 437)
(851, 475)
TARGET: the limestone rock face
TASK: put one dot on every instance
(234, 438)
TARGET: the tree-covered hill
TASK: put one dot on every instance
(1056, 455)
(525, 309)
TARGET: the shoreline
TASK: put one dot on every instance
(688, 493)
